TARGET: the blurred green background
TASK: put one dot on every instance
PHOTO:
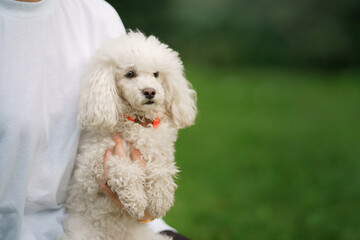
(275, 152)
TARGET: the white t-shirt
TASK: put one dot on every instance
(44, 48)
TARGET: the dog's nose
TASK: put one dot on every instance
(149, 93)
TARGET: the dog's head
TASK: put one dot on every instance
(137, 75)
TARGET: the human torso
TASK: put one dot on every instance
(42, 57)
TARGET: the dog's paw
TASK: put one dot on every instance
(127, 180)
(158, 206)
(135, 203)
(160, 188)
(160, 198)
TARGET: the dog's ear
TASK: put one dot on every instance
(181, 98)
(99, 105)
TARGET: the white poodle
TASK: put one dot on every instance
(134, 86)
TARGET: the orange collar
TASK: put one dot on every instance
(155, 123)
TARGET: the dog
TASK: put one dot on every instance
(134, 86)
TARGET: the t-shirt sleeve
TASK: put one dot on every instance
(114, 26)
(104, 19)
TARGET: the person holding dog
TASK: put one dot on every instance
(44, 48)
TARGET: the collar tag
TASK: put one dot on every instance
(155, 123)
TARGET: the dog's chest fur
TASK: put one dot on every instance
(155, 144)
(152, 142)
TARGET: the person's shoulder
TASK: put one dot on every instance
(100, 8)
(97, 8)
(100, 14)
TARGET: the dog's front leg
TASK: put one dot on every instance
(127, 179)
(160, 187)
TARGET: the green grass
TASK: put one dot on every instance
(274, 154)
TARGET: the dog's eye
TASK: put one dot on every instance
(156, 74)
(130, 74)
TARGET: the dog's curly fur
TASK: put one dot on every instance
(109, 94)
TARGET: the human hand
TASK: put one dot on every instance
(136, 156)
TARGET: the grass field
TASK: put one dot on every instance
(274, 154)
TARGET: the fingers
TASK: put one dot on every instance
(106, 168)
(118, 148)
(147, 217)
(136, 156)
(134, 153)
